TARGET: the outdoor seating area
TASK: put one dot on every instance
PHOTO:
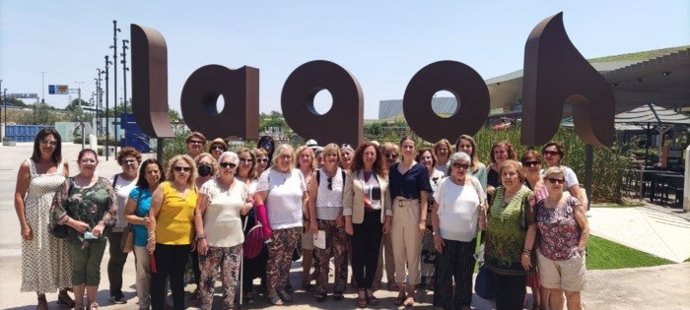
(658, 186)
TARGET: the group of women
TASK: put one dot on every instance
(425, 210)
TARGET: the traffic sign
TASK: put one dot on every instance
(58, 89)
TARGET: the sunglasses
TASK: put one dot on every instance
(228, 165)
(552, 153)
(532, 163)
(49, 143)
(195, 142)
(262, 160)
(182, 169)
(218, 147)
(330, 183)
(461, 166)
(129, 161)
(391, 156)
(554, 180)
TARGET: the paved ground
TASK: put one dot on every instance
(653, 229)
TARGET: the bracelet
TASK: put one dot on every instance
(199, 237)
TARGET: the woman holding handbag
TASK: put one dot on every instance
(123, 183)
(136, 212)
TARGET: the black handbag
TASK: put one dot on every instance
(59, 231)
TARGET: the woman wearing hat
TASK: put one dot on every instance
(217, 147)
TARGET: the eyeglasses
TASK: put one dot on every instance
(228, 165)
(531, 163)
(49, 143)
(551, 153)
(195, 142)
(391, 155)
(182, 169)
(554, 180)
(246, 160)
(129, 161)
(330, 183)
(461, 166)
(218, 147)
(262, 160)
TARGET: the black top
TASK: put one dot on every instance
(409, 185)
(493, 178)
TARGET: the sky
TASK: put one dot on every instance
(382, 43)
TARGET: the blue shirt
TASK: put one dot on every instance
(409, 185)
(143, 198)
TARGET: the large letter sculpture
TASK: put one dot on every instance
(240, 90)
(150, 81)
(470, 92)
(555, 73)
(343, 123)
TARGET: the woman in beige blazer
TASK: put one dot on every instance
(367, 211)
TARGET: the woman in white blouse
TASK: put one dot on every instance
(218, 227)
(283, 191)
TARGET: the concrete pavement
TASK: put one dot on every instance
(651, 229)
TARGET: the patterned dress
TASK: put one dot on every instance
(46, 265)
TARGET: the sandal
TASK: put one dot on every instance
(285, 296)
(361, 300)
(409, 302)
(93, 306)
(400, 300)
(42, 303)
(64, 299)
(320, 297)
(371, 300)
(276, 301)
(338, 296)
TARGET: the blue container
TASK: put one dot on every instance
(23, 133)
(134, 137)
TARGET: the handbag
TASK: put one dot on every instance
(483, 285)
(57, 230)
(127, 240)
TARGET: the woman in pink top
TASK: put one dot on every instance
(563, 234)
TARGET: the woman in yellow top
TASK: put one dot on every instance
(170, 230)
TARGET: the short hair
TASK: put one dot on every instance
(331, 148)
(218, 141)
(434, 158)
(474, 165)
(390, 147)
(380, 166)
(509, 149)
(232, 155)
(252, 170)
(554, 170)
(57, 152)
(187, 159)
(261, 152)
(84, 151)
(406, 137)
(195, 134)
(440, 143)
(510, 163)
(280, 149)
(559, 147)
(214, 163)
(298, 153)
(142, 182)
(530, 154)
(456, 157)
(128, 151)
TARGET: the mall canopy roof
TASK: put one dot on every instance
(643, 117)
(660, 76)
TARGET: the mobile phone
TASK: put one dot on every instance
(89, 236)
(375, 193)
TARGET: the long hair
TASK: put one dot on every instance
(252, 170)
(57, 152)
(141, 182)
(186, 158)
(380, 166)
(298, 153)
(475, 160)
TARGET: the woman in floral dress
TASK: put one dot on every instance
(45, 263)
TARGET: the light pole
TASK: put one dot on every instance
(107, 109)
(81, 113)
(114, 47)
(124, 84)
(99, 99)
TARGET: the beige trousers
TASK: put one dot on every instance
(407, 241)
(143, 281)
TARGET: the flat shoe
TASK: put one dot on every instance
(64, 299)
(400, 300)
(361, 302)
(409, 302)
(372, 301)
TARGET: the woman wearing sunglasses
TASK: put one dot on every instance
(531, 165)
(564, 232)
(171, 230)
(262, 160)
(219, 234)
(389, 153)
(478, 170)
(217, 147)
(306, 163)
(554, 152)
(428, 158)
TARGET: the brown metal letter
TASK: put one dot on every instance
(240, 90)
(150, 81)
(555, 73)
(343, 123)
(470, 92)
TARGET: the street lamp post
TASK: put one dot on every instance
(114, 47)
(124, 84)
(81, 113)
(107, 110)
